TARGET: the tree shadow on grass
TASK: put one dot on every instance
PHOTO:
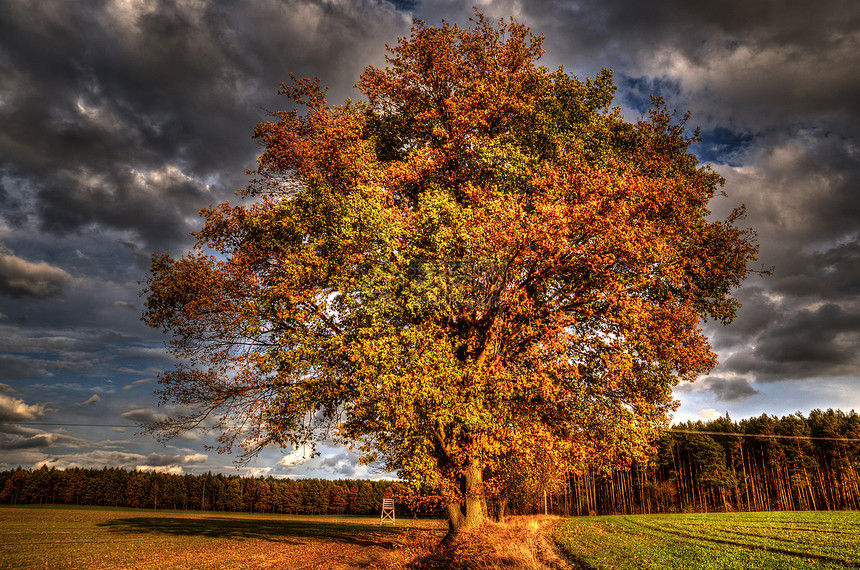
(288, 532)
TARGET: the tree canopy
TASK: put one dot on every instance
(479, 265)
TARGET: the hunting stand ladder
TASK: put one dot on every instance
(387, 511)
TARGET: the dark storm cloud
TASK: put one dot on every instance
(42, 440)
(16, 367)
(46, 352)
(805, 343)
(158, 205)
(758, 311)
(804, 320)
(731, 389)
(802, 190)
(119, 121)
(124, 114)
(97, 120)
(343, 464)
(606, 28)
(843, 260)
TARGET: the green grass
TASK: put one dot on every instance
(86, 537)
(789, 540)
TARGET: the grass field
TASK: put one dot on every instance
(791, 540)
(82, 537)
(66, 537)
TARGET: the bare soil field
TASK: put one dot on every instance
(63, 537)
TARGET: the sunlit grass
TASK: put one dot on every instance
(786, 540)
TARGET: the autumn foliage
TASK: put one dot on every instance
(480, 274)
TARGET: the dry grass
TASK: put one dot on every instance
(71, 537)
(520, 543)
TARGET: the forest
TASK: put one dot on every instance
(764, 463)
(208, 492)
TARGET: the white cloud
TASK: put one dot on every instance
(297, 456)
(256, 471)
(170, 469)
(16, 410)
(144, 415)
(709, 414)
(22, 278)
(94, 399)
(170, 463)
(141, 382)
(98, 458)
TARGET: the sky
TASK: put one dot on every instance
(121, 119)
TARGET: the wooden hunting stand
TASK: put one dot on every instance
(387, 511)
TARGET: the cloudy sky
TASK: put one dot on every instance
(121, 119)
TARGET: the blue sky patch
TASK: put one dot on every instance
(635, 92)
(722, 146)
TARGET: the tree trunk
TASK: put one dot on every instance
(456, 520)
(472, 482)
(476, 510)
(503, 507)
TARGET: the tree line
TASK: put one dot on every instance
(763, 463)
(208, 492)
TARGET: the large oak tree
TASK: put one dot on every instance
(480, 266)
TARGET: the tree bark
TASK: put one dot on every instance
(476, 512)
(456, 519)
(472, 484)
(502, 508)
